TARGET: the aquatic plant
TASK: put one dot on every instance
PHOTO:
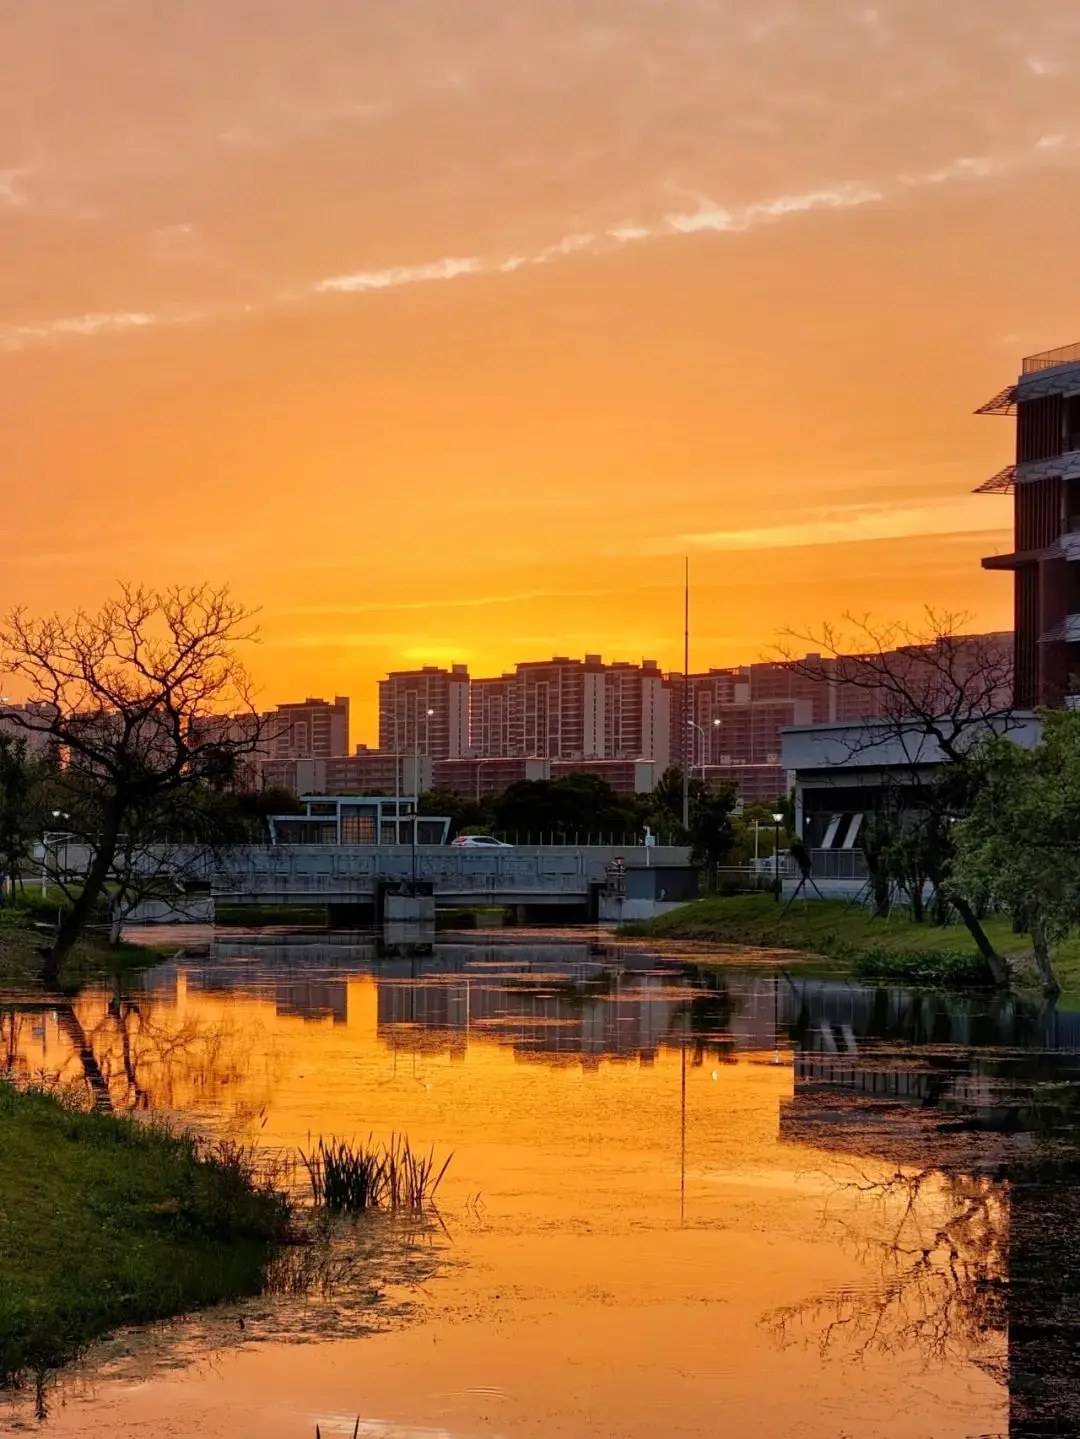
(350, 1177)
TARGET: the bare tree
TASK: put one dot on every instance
(928, 695)
(133, 698)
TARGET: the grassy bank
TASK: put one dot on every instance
(848, 939)
(105, 1221)
(92, 958)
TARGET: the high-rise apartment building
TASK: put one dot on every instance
(1044, 480)
(637, 713)
(810, 681)
(308, 729)
(425, 711)
(558, 709)
(28, 722)
(490, 705)
(569, 709)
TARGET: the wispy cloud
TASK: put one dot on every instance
(467, 602)
(114, 322)
(13, 194)
(709, 217)
(854, 523)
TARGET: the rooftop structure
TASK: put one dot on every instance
(356, 819)
(1044, 482)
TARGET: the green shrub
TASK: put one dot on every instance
(924, 967)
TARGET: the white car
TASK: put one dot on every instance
(479, 841)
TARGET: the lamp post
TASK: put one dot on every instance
(778, 820)
(416, 788)
(693, 724)
(53, 835)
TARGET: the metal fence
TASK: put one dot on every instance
(838, 864)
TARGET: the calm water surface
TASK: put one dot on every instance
(682, 1202)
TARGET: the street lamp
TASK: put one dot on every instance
(45, 838)
(694, 725)
(416, 788)
(778, 820)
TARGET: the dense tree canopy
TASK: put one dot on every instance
(1020, 846)
(574, 807)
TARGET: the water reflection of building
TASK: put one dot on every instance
(617, 1016)
(559, 1001)
(984, 1093)
(543, 999)
(302, 980)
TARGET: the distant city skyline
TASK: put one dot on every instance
(441, 727)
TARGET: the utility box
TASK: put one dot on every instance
(640, 892)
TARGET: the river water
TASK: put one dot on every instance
(683, 1200)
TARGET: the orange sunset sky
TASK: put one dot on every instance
(444, 330)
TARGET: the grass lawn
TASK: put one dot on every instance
(848, 938)
(105, 1221)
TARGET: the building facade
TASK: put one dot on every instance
(1044, 482)
(490, 706)
(307, 729)
(28, 722)
(425, 711)
(558, 709)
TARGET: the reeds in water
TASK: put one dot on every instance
(349, 1178)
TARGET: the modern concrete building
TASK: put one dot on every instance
(330, 819)
(1044, 481)
(844, 773)
(425, 711)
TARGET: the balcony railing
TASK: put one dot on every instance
(1064, 355)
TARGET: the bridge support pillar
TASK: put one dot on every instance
(405, 902)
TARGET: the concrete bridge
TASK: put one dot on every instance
(353, 876)
(353, 879)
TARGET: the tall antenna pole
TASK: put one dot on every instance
(686, 698)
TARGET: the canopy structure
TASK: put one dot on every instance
(1003, 483)
(1002, 404)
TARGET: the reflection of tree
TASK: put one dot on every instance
(979, 1267)
(71, 1028)
(939, 1243)
(128, 1053)
(12, 1062)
